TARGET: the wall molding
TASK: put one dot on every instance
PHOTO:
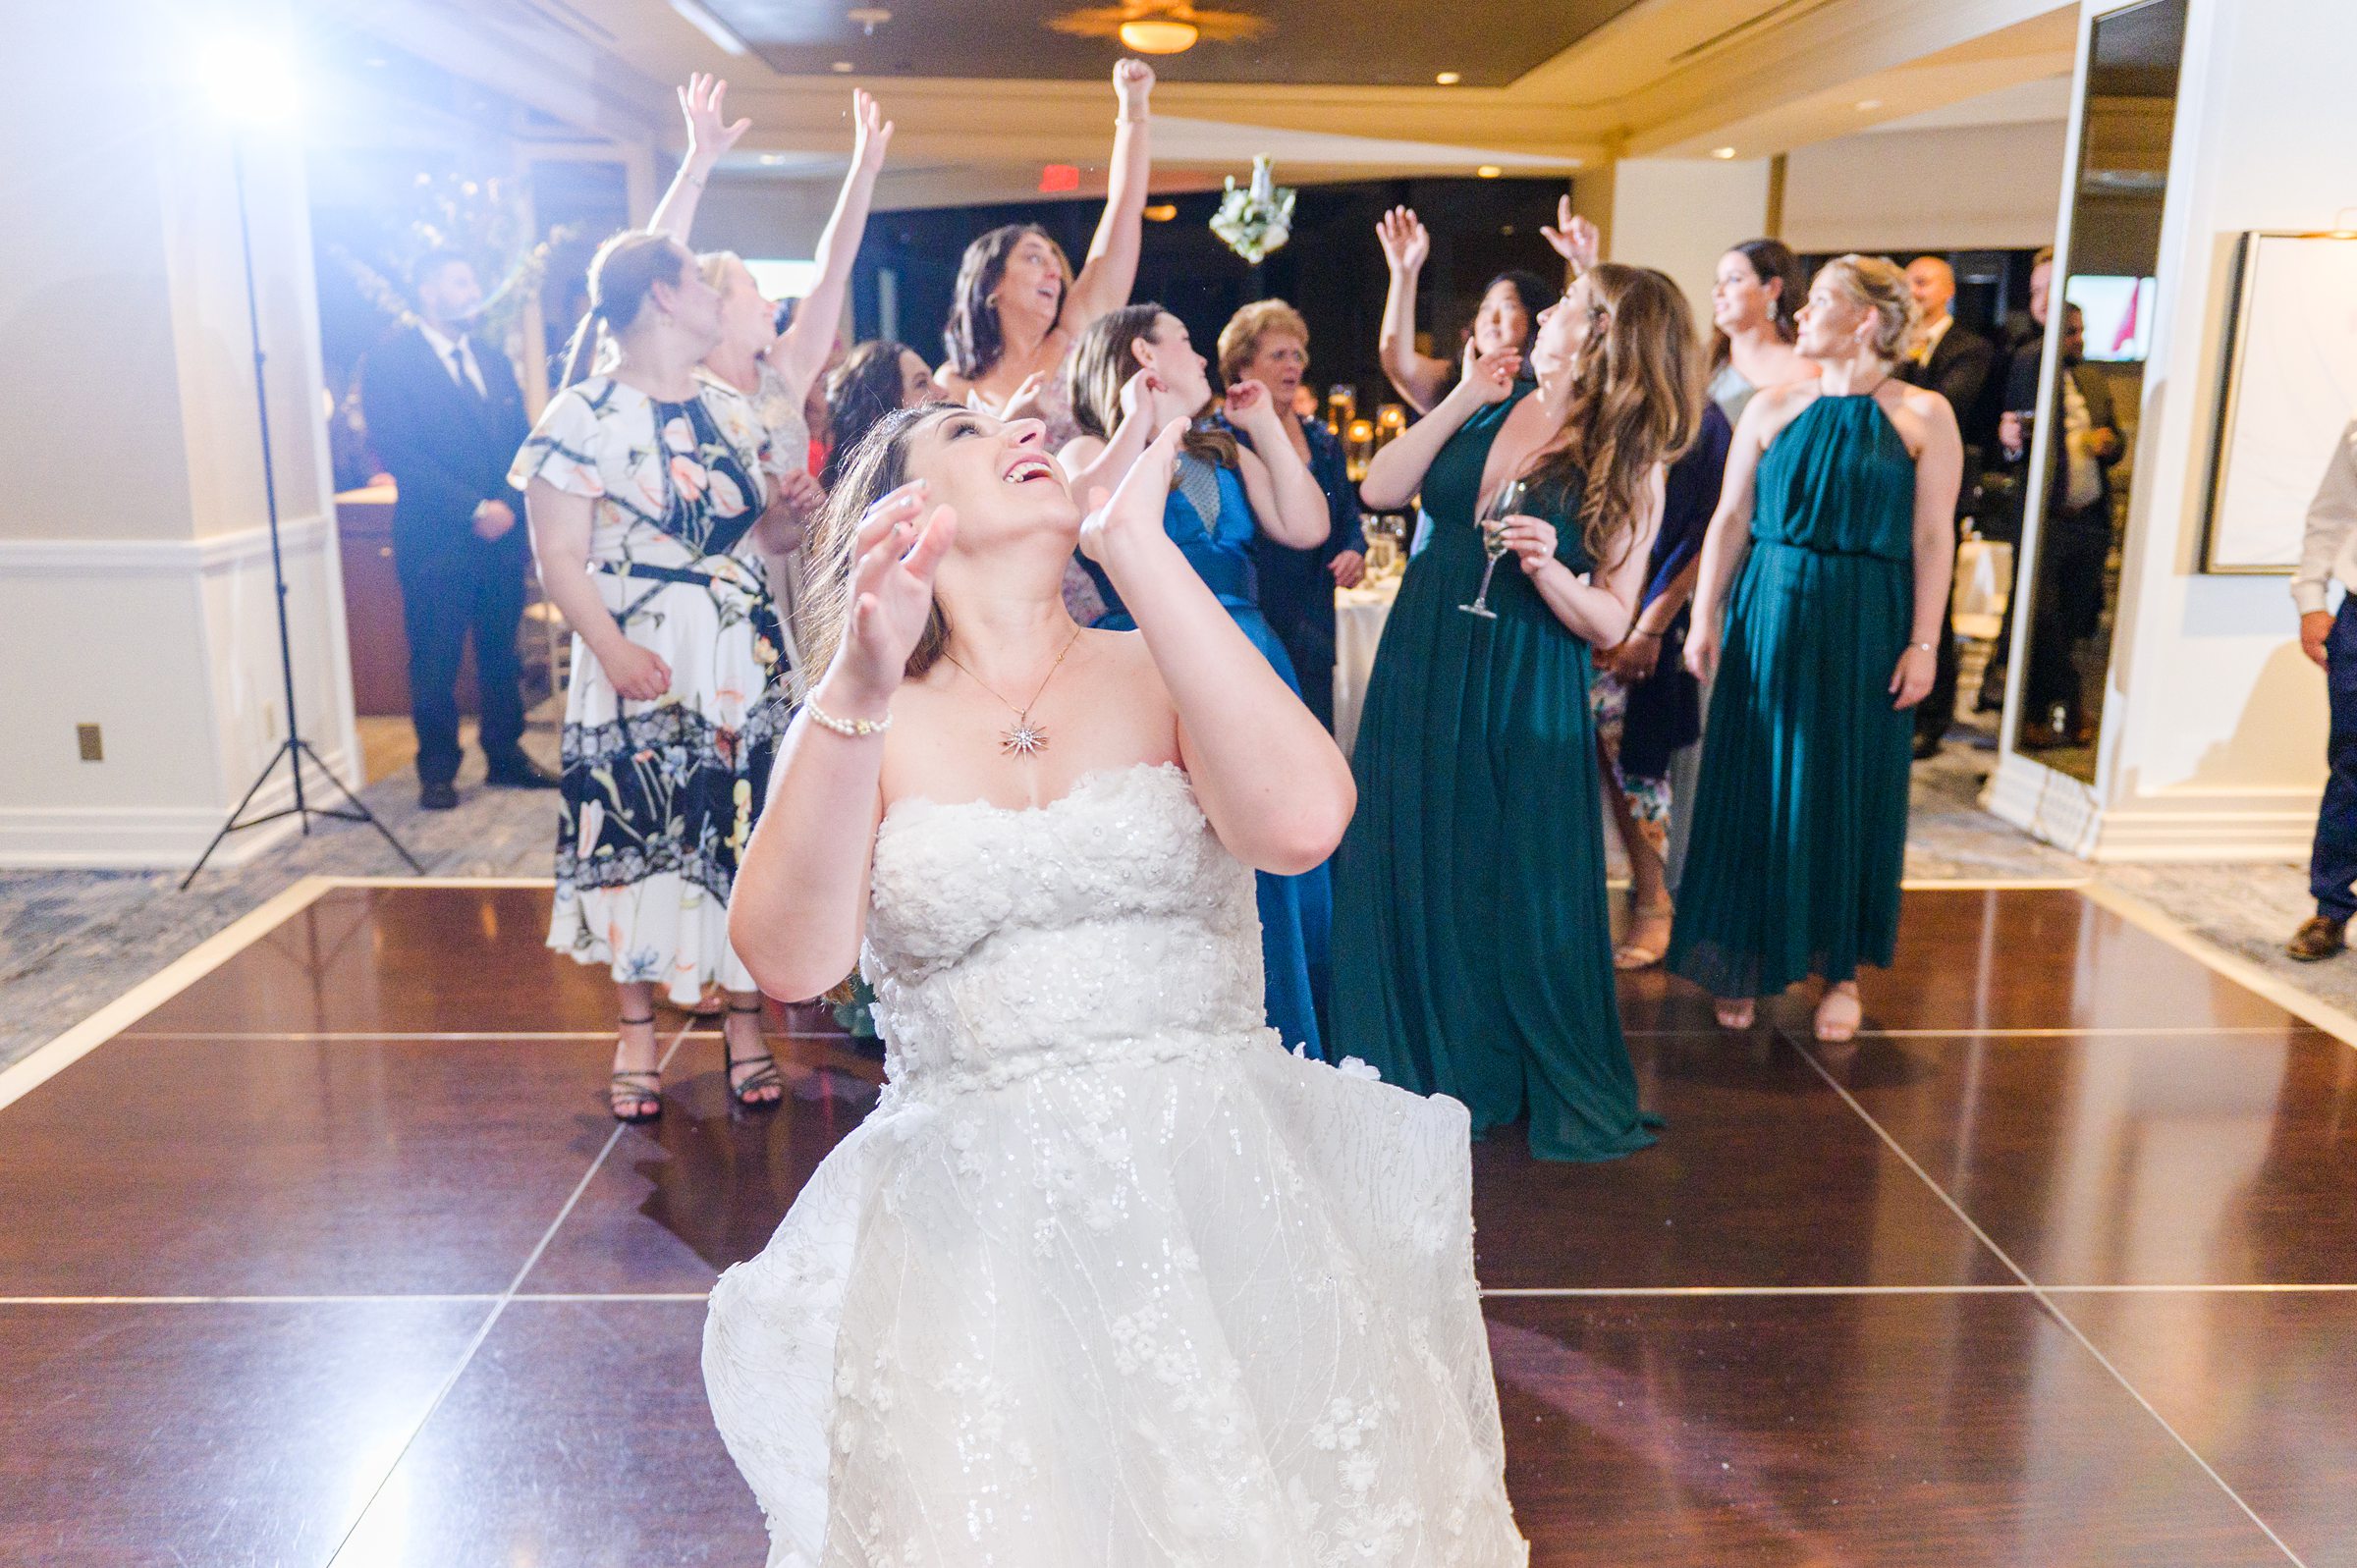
(2180, 825)
(150, 837)
(32, 559)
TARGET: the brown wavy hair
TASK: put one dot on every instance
(621, 278)
(876, 466)
(1103, 360)
(973, 337)
(1636, 400)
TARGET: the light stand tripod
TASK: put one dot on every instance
(293, 749)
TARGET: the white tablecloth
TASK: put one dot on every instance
(1358, 617)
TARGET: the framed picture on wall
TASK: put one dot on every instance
(2290, 390)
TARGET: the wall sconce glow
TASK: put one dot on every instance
(1489, 171)
(251, 80)
(1160, 212)
(1722, 152)
(1448, 78)
(1158, 35)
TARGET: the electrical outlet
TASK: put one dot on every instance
(91, 742)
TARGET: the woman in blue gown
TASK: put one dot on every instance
(1131, 373)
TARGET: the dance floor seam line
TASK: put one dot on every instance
(499, 1307)
(1486, 1293)
(2046, 1300)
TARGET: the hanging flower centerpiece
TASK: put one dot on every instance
(1258, 219)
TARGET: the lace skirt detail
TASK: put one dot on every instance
(1202, 1308)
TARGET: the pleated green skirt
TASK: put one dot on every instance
(1472, 942)
(1800, 819)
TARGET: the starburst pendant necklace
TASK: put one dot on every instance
(1021, 738)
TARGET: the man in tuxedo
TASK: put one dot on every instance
(446, 416)
(2075, 544)
(1956, 362)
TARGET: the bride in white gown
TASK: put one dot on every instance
(1107, 1279)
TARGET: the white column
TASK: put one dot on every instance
(135, 572)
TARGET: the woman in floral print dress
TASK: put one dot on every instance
(646, 486)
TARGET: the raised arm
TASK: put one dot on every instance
(1109, 271)
(800, 900)
(1728, 534)
(801, 353)
(1405, 245)
(1268, 777)
(1939, 475)
(1095, 463)
(709, 136)
(1398, 470)
(1286, 498)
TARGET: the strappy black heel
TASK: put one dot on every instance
(631, 1086)
(764, 1077)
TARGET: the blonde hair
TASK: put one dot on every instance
(1876, 284)
(1240, 339)
(714, 265)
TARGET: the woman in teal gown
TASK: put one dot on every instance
(1472, 942)
(1829, 557)
(1130, 373)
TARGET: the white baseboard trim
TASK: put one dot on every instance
(2187, 825)
(152, 837)
(28, 559)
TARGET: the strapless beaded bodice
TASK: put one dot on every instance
(1108, 927)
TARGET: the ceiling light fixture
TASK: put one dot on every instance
(1866, 104)
(1722, 152)
(1160, 35)
(1448, 78)
(869, 18)
(711, 26)
(1489, 171)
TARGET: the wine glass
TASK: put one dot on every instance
(1503, 505)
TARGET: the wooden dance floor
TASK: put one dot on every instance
(329, 1255)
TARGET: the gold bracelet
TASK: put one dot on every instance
(857, 728)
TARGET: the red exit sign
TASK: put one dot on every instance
(1057, 177)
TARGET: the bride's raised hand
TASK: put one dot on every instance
(1134, 508)
(895, 554)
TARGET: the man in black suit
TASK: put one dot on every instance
(444, 415)
(2074, 545)
(1956, 362)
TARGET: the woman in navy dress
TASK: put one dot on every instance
(1132, 372)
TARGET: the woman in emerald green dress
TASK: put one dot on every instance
(1472, 942)
(1829, 556)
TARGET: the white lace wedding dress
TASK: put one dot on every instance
(1107, 1279)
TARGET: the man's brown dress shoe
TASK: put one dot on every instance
(2318, 936)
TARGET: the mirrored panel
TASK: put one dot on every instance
(2089, 383)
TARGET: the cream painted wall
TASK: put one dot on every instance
(1680, 214)
(135, 572)
(2212, 743)
(1965, 188)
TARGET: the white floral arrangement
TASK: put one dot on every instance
(1257, 219)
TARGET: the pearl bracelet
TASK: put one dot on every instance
(1927, 647)
(857, 728)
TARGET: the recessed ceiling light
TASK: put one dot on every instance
(869, 18)
(773, 159)
(841, 67)
(1489, 171)
(1722, 152)
(1448, 78)
(1865, 104)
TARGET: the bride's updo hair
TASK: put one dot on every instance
(874, 470)
(1878, 284)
